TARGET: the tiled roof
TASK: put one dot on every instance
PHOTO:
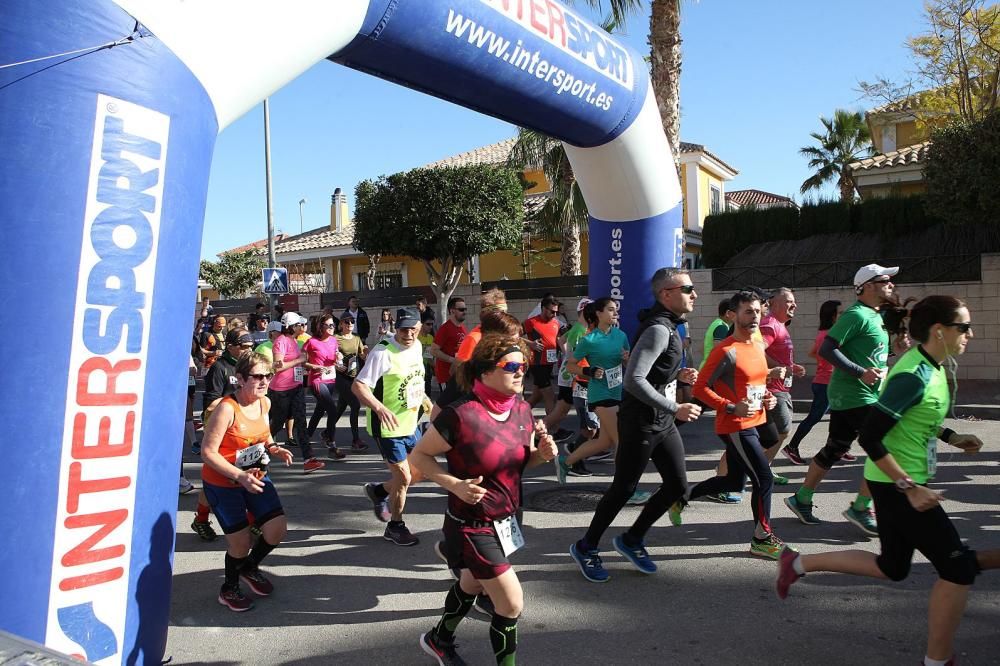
(495, 153)
(915, 154)
(699, 148)
(533, 204)
(261, 244)
(757, 198)
(324, 237)
(908, 103)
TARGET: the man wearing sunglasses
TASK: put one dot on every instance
(858, 348)
(448, 339)
(646, 427)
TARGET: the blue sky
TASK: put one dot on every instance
(756, 78)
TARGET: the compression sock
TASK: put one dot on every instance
(259, 552)
(201, 515)
(805, 495)
(861, 503)
(503, 638)
(380, 491)
(233, 566)
(456, 607)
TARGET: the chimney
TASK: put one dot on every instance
(338, 210)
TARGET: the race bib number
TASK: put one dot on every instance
(580, 390)
(670, 391)
(614, 376)
(788, 381)
(931, 456)
(414, 394)
(755, 394)
(251, 456)
(191, 380)
(297, 373)
(510, 534)
(327, 373)
(551, 356)
(352, 366)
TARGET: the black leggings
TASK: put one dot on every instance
(290, 404)
(744, 456)
(636, 448)
(346, 399)
(326, 403)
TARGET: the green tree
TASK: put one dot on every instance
(962, 172)
(235, 274)
(845, 139)
(442, 217)
(564, 214)
(956, 62)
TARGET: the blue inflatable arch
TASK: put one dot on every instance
(108, 115)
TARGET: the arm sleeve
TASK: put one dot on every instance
(830, 351)
(719, 363)
(903, 391)
(647, 349)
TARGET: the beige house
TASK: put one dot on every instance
(902, 147)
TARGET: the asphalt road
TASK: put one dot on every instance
(346, 596)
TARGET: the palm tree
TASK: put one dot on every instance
(564, 214)
(665, 67)
(846, 139)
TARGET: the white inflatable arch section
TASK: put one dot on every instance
(109, 111)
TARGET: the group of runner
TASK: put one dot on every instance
(626, 394)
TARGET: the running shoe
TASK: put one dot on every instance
(590, 564)
(256, 581)
(639, 497)
(439, 551)
(196, 448)
(769, 547)
(637, 555)
(380, 506)
(400, 535)
(848, 457)
(444, 652)
(204, 530)
(726, 498)
(675, 511)
(290, 442)
(804, 512)
(484, 605)
(793, 455)
(335, 454)
(562, 469)
(185, 486)
(234, 599)
(864, 520)
(312, 465)
(357, 446)
(786, 572)
(780, 480)
(579, 469)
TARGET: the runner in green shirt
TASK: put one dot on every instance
(717, 331)
(858, 348)
(900, 437)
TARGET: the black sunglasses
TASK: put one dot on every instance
(685, 288)
(460, 309)
(261, 377)
(960, 326)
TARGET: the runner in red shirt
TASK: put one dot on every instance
(542, 334)
(448, 339)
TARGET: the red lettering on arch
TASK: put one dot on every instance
(556, 21)
(537, 14)
(76, 582)
(111, 372)
(85, 553)
(77, 486)
(104, 448)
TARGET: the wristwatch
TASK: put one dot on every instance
(731, 408)
(904, 484)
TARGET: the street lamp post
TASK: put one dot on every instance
(270, 210)
(301, 202)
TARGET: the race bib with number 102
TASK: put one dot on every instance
(755, 395)
(614, 376)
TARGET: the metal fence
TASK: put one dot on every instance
(941, 268)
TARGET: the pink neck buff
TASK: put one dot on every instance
(494, 400)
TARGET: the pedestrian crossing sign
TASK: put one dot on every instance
(275, 280)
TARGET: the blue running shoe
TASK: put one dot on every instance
(590, 564)
(637, 555)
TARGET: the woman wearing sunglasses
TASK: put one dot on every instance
(900, 436)
(321, 358)
(236, 450)
(488, 438)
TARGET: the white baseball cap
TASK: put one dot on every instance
(274, 327)
(290, 319)
(584, 302)
(872, 271)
